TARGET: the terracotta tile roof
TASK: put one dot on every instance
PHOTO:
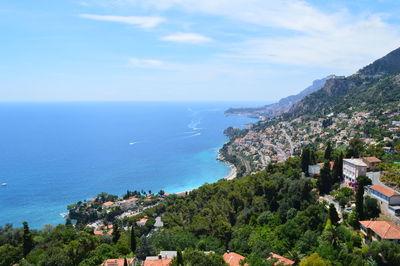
(384, 229)
(372, 159)
(108, 203)
(158, 262)
(116, 262)
(384, 190)
(330, 164)
(232, 258)
(281, 259)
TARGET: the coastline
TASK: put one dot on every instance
(233, 172)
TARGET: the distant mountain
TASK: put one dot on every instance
(370, 89)
(275, 109)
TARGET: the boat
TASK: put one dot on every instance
(3, 184)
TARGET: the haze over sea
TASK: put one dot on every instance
(55, 154)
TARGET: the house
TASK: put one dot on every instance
(380, 231)
(232, 258)
(159, 223)
(108, 204)
(372, 163)
(157, 262)
(281, 260)
(353, 168)
(104, 230)
(117, 262)
(386, 195)
(142, 221)
(387, 149)
(314, 170)
(163, 259)
(128, 203)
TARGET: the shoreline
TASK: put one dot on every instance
(232, 174)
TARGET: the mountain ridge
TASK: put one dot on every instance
(283, 105)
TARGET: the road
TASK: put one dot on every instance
(330, 200)
(289, 139)
(243, 160)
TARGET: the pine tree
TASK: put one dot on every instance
(27, 244)
(132, 240)
(356, 147)
(333, 215)
(328, 151)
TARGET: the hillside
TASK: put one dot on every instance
(275, 109)
(365, 104)
(372, 86)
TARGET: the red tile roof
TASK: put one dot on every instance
(281, 259)
(233, 259)
(372, 159)
(116, 262)
(384, 229)
(108, 203)
(384, 190)
(330, 165)
(159, 262)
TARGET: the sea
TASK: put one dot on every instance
(55, 154)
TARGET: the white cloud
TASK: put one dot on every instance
(145, 63)
(186, 38)
(302, 34)
(141, 21)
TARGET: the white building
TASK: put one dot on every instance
(353, 168)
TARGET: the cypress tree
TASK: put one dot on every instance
(305, 160)
(324, 181)
(116, 233)
(132, 240)
(27, 244)
(362, 181)
(328, 151)
(179, 258)
(333, 215)
(125, 262)
(338, 168)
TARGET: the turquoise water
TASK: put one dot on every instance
(55, 154)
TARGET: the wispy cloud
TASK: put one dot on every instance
(303, 33)
(140, 21)
(145, 63)
(186, 38)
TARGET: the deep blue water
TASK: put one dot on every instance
(55, 154)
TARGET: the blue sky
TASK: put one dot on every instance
(185, 50)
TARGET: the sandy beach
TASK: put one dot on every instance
(233, 172)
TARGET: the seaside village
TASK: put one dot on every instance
(280, 141)
(272, 145)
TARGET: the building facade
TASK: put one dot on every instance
(353, 168)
